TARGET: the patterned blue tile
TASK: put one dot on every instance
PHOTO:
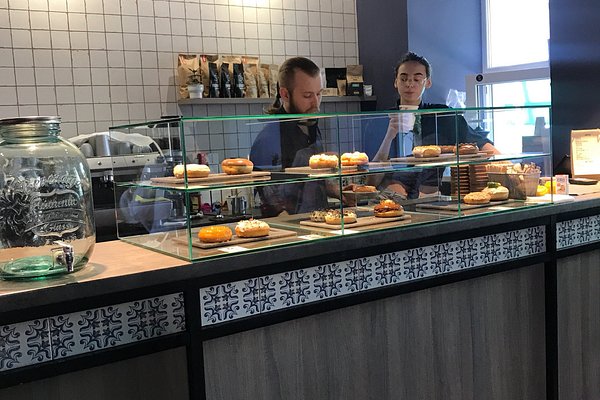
(489, 251)
(328, 281)
(177, 312)
(512, 244)
(416, 263)
(253, 297)
(63, 336)
(145, 319)
(220, 303)
(467, 253)
(565, 234)
(387, 269)
(11, 348)
(294, 288)
(359, 274)
(441, 258)
(37, 346)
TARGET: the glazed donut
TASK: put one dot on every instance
(193, 171)
(388, 209)
(215, 234)
(364, 189)
(323, 161)
(334, 217)
(426, 151)
(251, 228)
(468, 148)
(356, 158)
(477, 198)
(236, 166)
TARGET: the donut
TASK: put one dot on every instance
(356, 158)
(323, 161)
(334, 217)
(236, 166)
(496, 191)
(388, 209)
(426, 151)
(364, 189)
(251, 228)
(193, 171)
(468, 148)
(318, 215)
(215, 234)
(477, 198)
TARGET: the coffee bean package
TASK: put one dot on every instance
(250, 83)
(213, 73)
(225, 80)
(263, 81)
(230, 60)
(354, 73)
(186, 65)
(238, 80)
(204, 61)
(273, 78)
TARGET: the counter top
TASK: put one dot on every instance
(116, 266)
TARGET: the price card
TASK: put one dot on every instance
(585, 147)
(310, 237)
(501, 208)
(344, 232)
(232, 249)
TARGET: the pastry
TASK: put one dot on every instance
(387, 209)
(236, 166)
(426, 151)
(496, 191)
(251, 228)
(468, 148)
(334, 217)
(477, 198)
(318, 215)
(356, 158)
(448, 149)
(364, 189)
(323, 161)
(193, 171)
(215, 234)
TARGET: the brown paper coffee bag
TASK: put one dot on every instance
(187, 64)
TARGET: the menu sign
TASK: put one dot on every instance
(585, 147)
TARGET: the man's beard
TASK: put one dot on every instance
(294, 110)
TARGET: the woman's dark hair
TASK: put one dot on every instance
(410, 56)
(287, 72)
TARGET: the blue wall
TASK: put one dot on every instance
(448, 34)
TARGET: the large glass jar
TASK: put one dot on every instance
(46, 212)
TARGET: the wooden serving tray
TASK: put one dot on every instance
(274, 233)
(216, 178)
(444, 157)
(453, 206)
(316, 171)
(360, 221)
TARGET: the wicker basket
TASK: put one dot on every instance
(519, 185)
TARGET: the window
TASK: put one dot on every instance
(516, 34)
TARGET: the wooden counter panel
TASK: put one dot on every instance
(156, 376)
(579, 326)
(478, 339)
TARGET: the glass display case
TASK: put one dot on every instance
(212, 186)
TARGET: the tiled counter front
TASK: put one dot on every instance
(577, 232)
(234, 300)
(68, 335)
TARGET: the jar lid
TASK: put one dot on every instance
(30, 120)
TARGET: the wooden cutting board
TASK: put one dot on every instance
(360, 221)
(453, 206)
(216, 178)
(315, 171)
(274, 233)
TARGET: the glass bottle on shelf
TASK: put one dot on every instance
(46, 211)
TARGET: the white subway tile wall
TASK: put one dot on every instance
(103, 62)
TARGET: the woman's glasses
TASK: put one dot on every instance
(416, 80)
